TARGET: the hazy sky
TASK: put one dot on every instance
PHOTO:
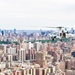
(23, 14)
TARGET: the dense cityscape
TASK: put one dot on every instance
(37, 37)
(37, 52)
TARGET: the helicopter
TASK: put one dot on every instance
(60, 33)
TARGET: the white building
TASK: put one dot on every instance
(37, 46)
(22, 55)
(2, 65)
(11, 50)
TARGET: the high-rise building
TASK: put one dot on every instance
(19, 73)
(37, 46)
(30, 45)
(39, 71)
(2, 32)
(62, 66)
(23, 71)
(41, 58)
(2, 65)
(9, 57)
(11, 50)
(22, 55)
(68, 64)
(31, 53)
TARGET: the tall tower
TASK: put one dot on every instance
(2, 32)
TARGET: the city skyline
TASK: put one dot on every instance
(24, 14)
(37, 37)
